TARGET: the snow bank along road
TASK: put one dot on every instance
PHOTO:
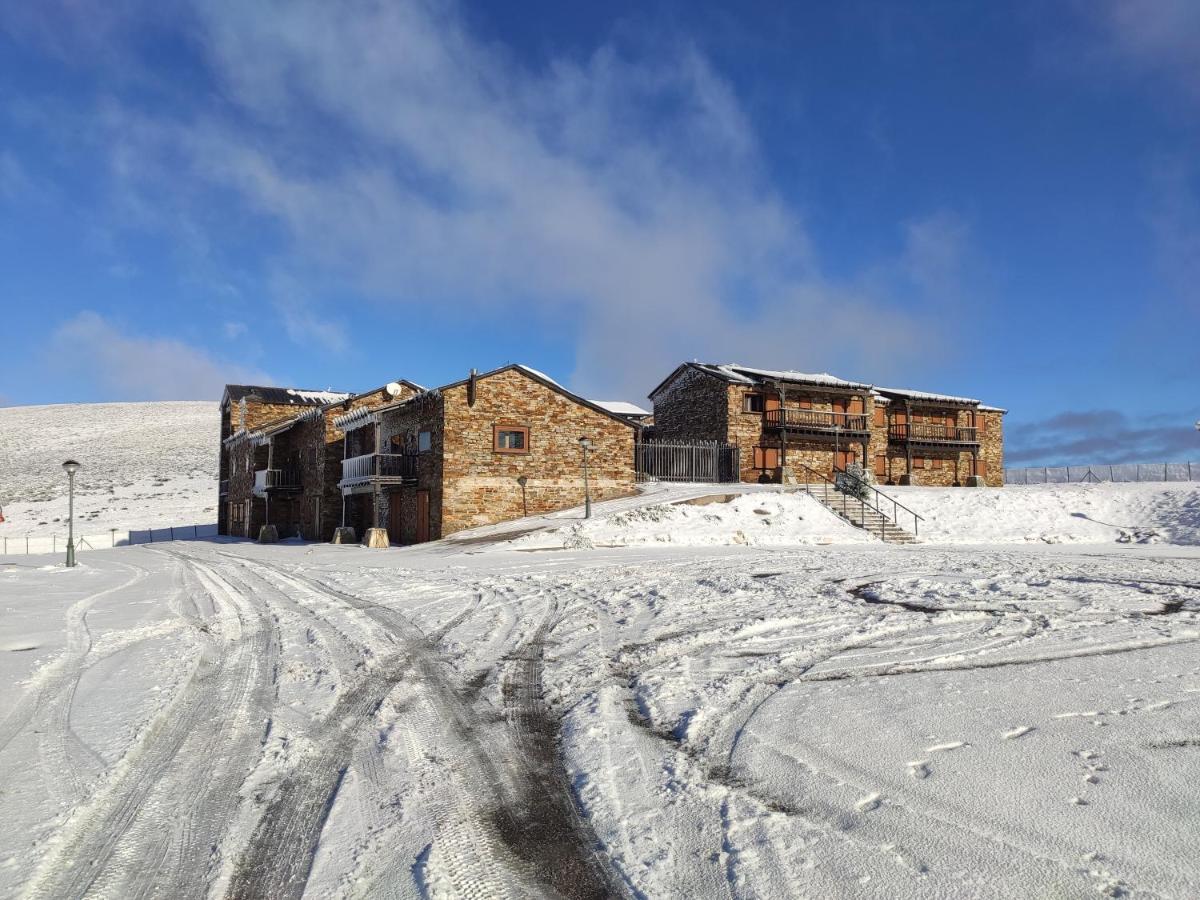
(233, 720)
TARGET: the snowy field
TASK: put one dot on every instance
(145, 465)
(655, 719)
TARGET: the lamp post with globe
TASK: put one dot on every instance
(70, 467)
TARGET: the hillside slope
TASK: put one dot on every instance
(144, 465)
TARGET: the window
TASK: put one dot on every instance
(938, 462)
(753, 403)
(510, 439)
(424, 441)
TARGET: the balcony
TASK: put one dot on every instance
(811, 421)
(917, 433)
(276, 481)
(385, 468)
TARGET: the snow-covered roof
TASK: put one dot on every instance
(621, 408)
(926, 395)
(739, 374)
(751, 375)
(280, 396)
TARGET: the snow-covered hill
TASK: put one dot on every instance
(144, 465)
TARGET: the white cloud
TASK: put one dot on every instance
(622, 194)
(1157, 35)
(131, 367)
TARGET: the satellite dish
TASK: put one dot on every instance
(393, 389)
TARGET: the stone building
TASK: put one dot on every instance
(284, 471)
(821, 423)
(245, 409)
(492, 447)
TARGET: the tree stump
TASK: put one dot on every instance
(976, 481)
(344, 534)
(268, 534)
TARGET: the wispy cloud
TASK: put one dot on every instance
(1157, 35)
(622, 193)
(134, 367)
(1105, 436)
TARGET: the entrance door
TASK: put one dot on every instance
(843, 458)
(394, 517)
(422, 516)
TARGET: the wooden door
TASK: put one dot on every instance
(422, 516)
(843, 458)
(394, 517)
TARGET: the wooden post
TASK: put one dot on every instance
(783, 435)
(908, 426)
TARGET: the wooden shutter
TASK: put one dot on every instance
(981, 467)
(938, 462)
(806, 402)
(881, 466)
(766, 457)
(856, 406)
(880, 416)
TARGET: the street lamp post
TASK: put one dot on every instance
(585, 445)
(70, 467)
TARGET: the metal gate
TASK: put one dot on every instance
(707, 461)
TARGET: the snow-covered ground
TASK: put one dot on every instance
(145, 465)
(515, 718)
(1057, 513)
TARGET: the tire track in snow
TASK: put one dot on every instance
(161, 795)
(546, 826)
(55, 675)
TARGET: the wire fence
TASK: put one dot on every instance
(22, 544)
(1120, 472)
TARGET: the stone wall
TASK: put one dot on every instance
(991, 449)
(240, 487)
(692, 407)
(423, 414)
(480, 484)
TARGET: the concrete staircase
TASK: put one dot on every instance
(859, 514)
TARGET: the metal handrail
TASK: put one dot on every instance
(862, 504)
(880, 494)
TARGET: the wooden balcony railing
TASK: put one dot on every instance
(384, 466)
(933, 434)
(812, 420)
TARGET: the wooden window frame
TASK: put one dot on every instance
(754, 395)
(514, 451)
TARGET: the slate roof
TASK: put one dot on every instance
(282, 396)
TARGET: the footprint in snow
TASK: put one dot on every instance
(941, 748)
(869, 802)
(919, 769)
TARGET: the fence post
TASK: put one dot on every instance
(1165, 478)
(54, 543)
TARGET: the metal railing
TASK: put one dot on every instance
(945, 434)
(378, 465)
(814, 420)
(848, 500)
(283, 479)
(677, 461)
(1117, 472)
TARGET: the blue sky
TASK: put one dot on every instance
(997, 200)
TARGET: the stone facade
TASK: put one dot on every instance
(697, 403)
(693, 406)
(466, 481)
